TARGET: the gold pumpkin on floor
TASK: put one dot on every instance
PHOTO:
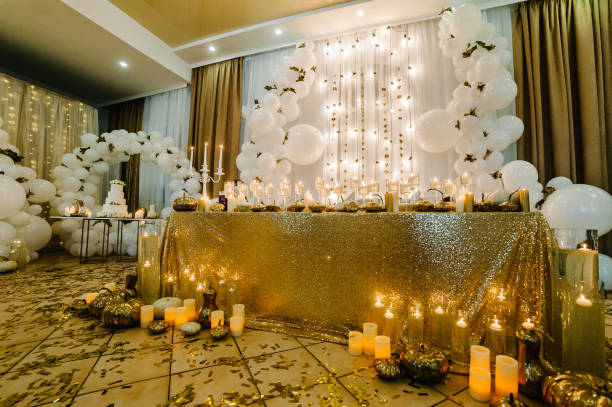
(575, 389)
(424, 362)
(122, 314)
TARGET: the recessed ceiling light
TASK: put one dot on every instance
(360, 13)
(123, 64)
(212, 48)
(278, 31)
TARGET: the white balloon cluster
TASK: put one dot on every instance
(469, 123)
(266, 155)
(79, 175)
(22, 195)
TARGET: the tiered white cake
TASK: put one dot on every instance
(115, 202)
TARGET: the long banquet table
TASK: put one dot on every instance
(321, 272)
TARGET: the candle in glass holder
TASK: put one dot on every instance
(203, 203)
(355, 183)
(363, 189)
(168, 289)
(413, 180)
(216, 318)
(440, 321)
(480, 384)
(524, 199)
(269, 189)
(377, 313)
(460, 203)
(413, 326)
(370, 330)
(244, 189)
(506, 375)
(495, 336)
(382, 347)
(147, 313)
(373, 187)
(460, 347)
(465, 179)
(319, 184)
(308, 199)
(450, 188)
(180, 316)
(480, 356)
(299, 188)
(435, 183)
(190, 303)
(89, 297)
(390, 325)
(393, 186)
(170, 315)
(355, 343)
(236, 325)
(528, 324)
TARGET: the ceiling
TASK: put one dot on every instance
(75, 46)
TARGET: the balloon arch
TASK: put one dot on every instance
(78, 177)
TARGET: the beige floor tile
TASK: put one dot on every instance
(215, 381)
(320, 394)
(24, 332)
(294, 367)
(136, 338)
(366, 386)
(337, 359)
(147, 393)
(68, 348)
(79, 325)
(452, 385)
(447, 403)
(119, 369)
(43, 384)
(254, 343)
(194, 354)
(11, 354)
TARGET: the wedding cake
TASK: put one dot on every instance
(115, 202)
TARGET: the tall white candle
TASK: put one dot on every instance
(480, 357)
(180, 317)
(205, 154)
(191, 160)
(146, 315)
(220, 158)
(355, 343)
(189, 303)
(382, 347)
(506, 375)
(370, 330)
(89, 297)
(170, 315)
(216, 318)
(460, 203)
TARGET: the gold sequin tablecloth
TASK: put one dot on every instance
(321, 272)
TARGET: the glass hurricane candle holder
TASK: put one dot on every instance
(440, 324)
(495, 336)
(461, 345)
(503, 305)
(233, 293)
(18, 252)
(412, 329)
(149, 271)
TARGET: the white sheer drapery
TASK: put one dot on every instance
(42, 124)
(368, 93)
(167, 113)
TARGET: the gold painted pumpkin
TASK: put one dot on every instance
(122, 314)
(388, 369)
(424, 362)
(184, 204)
(443, 206)
(423, 206)
(102, 300)
(296, 207)
(507, 401)
(317, 208)
(219, 332)
(575, 389)
(508, 206)
(483, 206)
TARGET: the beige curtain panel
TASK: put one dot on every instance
(42, 124)
(216, 109)
(563, 69)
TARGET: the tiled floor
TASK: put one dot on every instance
(50, 358)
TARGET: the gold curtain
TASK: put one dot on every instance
(563, 69)
(42, 124)
(216, 108)
(128, 116)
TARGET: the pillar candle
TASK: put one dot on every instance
(480, 384)
(460, 204)
(524, 199)
(378, 313)
(459, 350)
(238, 310)
(216, 318)
(469, 202)
(413, 328)
(190, 304)
(181, 317)
(450, 188)
(370, 330)
(495, 337)
(89, 297)
(299, 188)
(355, 183)
(528, 324)
(236, 325)
(170, 315)
(506, 375)
(146, 315)
(480, 357)
(355, 343)
(441, 327)
(382, 347)
(465, 179)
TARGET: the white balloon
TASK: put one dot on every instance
(497, 141)
(283, 167)
(305, 144)
(605, 270)
(69, 225)
(270, 102)
(60, 172)
(192, 185)
(176, 184)
(435, 131)
(7, 233)
(71, 161)
(260, 121)
(100, 167)
(486, 32)
(34, 209)
(512, 125)
(132, 250)
(265, 162)
(486, 183)
(579, 206)
(41, 191)
(487, 67)
(519, 174)
(559, 183)
(71, 184)
(13, 196)
(498, 92)
(20, 219)
(465, 21)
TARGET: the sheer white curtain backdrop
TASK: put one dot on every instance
(368, 123)
(167, 113)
